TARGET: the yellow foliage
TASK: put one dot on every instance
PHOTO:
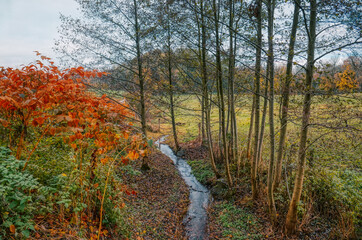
(346, 80)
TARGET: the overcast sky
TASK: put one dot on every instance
(30, 25)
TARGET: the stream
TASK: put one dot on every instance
(196, 218)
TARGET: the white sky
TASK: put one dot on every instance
(30, 25)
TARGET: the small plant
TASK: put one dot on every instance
(236, 222)
(17, 191)
(201, 170)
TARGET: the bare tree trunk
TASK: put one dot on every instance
(172, 109)
(254, 165)
(203, 134)
(271, 203)
(236, 139)
(140, 73)
(205, 92)
(231, 105)
(145, 165)
(285, 96)
(221, 95)
(203, 83)
(248, 149)
(291, 221)
(263, 118)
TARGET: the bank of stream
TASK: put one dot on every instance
(196, 218)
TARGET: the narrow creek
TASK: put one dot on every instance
(196, 218)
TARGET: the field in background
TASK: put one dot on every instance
(342, 142)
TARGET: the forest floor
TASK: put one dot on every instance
(160, 205)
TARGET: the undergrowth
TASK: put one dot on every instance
(201, 170)
(237, 222)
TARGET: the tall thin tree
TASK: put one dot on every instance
(285, 95)
(254, 165)
(291, 220)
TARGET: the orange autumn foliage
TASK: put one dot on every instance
(41, 101)
(57, 102)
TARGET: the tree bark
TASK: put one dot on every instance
(263, 118)
(254, 165)
(271, 203)
(285, 96)
(140, 73)
(291, 220)
(233, 135)
(221, 96)
(172, 109)
(250, 134)
(205, 92)
(199, 46)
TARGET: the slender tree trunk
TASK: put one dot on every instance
(203, 134)
(272, 210)
(140, 73)
(199, 43)
(221, 148)
(145, 165)
(236, 139)
(291, 221)
(231, 105)
(250, 134)
(221, 96)
(254, 165)
(172, 109)
(228, 119)
(285, 96)
(263, 118)
(205, 92)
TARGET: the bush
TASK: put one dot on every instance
(337, 193)
(66, 151)
(17, 190)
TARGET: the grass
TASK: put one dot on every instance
(326, 113)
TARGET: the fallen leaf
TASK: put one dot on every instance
(12, 228)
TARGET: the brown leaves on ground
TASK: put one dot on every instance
(161, 203)
(194, 150)
(53, 226)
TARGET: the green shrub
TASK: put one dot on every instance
(337, 192)
(17, 202)
(51, 158)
